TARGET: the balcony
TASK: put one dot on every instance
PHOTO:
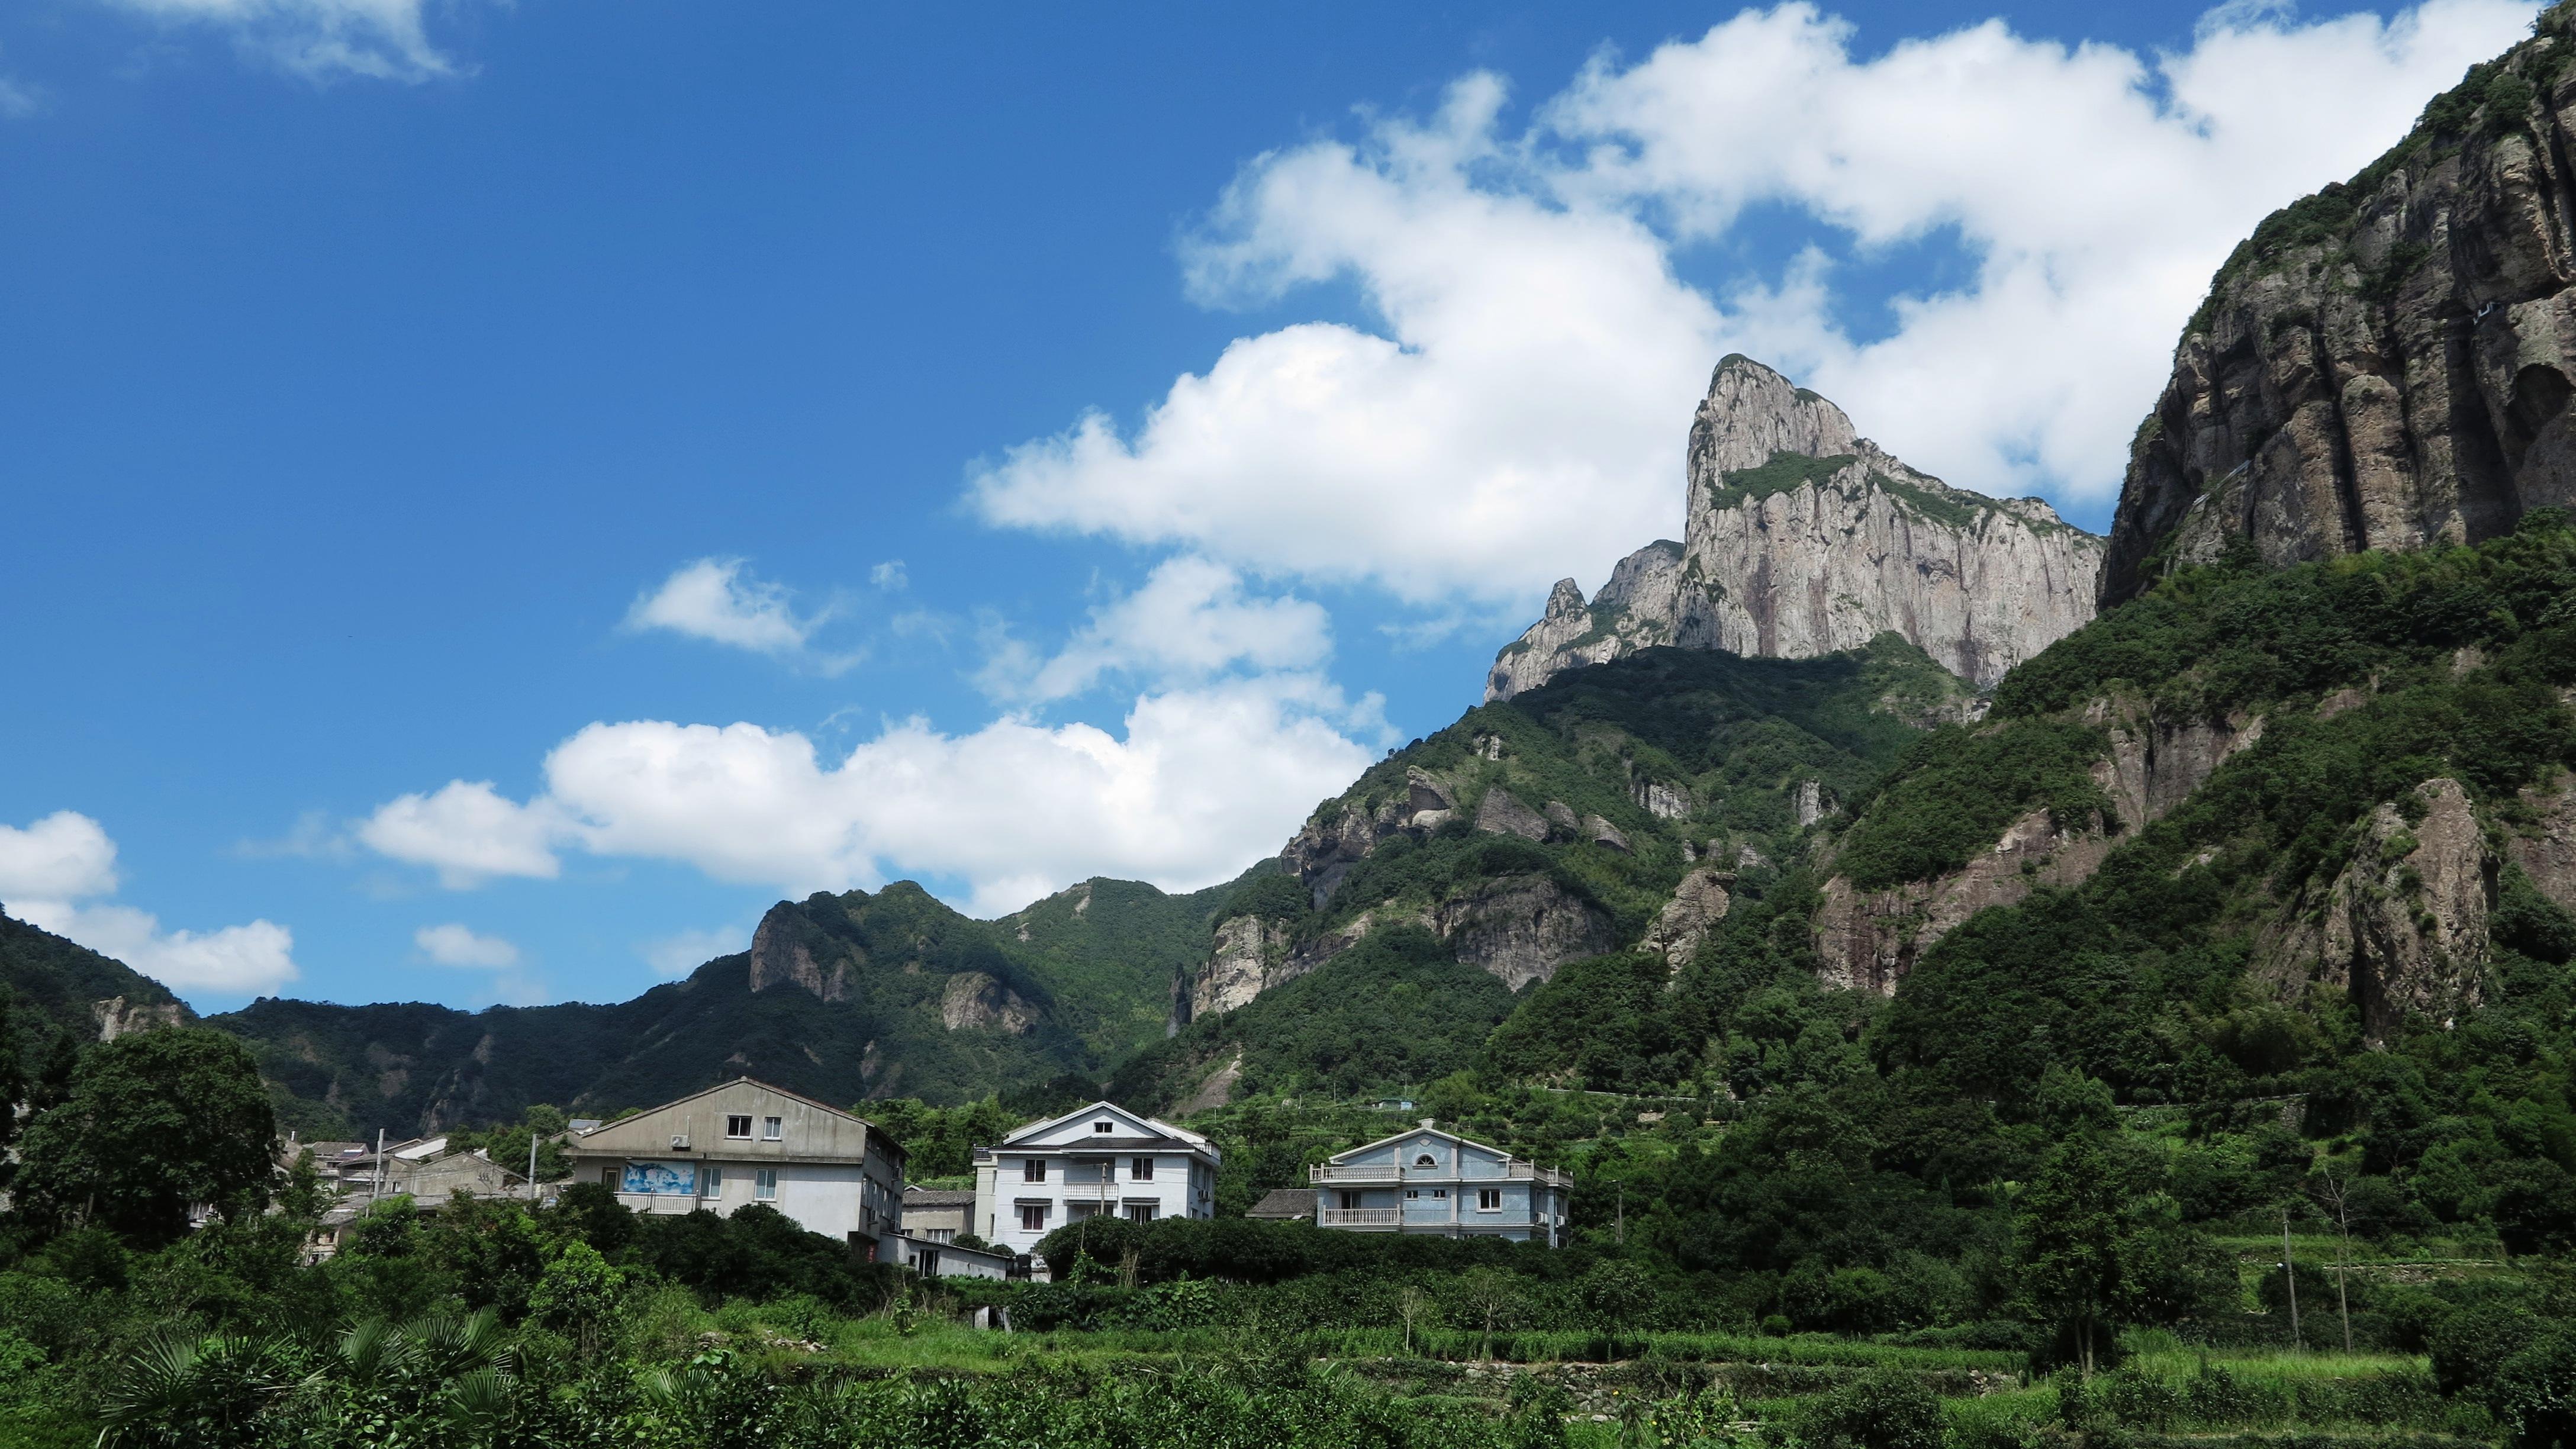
(1333, 1217)
(1330, 1175)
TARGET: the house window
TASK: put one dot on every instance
(1033, 1217)
(771, 1128)
(738, 1127)
(1412, 1194)
(1439, 1193)
(1350, 1199)
(764, 1184)
(1140, 1212)
(1102, 1127)
(715, 1179)
(1425, 1160)
(1489, 1199)
(1142, 1169)
(608, 1177)
(1033, 1170)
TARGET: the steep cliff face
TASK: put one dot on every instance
(1804, 538)
(2403, 928)
(2385, 364)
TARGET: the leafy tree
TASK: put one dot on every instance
(1882, 1409)
(152, 1123)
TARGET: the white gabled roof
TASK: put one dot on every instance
(1147, 1126)
(1426, 1130)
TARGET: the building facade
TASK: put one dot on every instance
(1101, 1161)
(1430, 1181)
(747, 1142)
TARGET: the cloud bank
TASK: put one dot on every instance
(316, 39)
(49, 871)
(1518, 409)
(1202, 781)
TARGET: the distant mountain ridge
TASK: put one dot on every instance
(1803, 538)
(840, 997)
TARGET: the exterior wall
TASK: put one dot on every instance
(938, 1260)
(836, 1175)
(937, 1222)
(1428, 1181)
(1088, 1172)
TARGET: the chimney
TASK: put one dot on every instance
(1426, 1121)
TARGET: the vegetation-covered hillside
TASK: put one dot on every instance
(1536, 831)
(841, 998)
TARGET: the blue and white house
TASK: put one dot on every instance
(1430, 1181)
(1102, 1161)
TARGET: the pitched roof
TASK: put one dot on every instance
(938, 1197)
(1284, 1202)
(1425, 1129)
(1175, 1134)
(597, 1126)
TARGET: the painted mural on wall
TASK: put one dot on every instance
(677, 1179)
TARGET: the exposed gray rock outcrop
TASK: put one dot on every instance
(975, 1001)
(1803, 538)
(2384, 365)
(1521, 928)
(1502, 813)
(1700, 902)
(1868, 940)
(2403, 928)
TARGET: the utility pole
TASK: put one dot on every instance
(532, 1166)
(2290, 1274)
(379, 1190)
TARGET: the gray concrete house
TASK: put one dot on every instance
(1430, 1181)
(747, 1142)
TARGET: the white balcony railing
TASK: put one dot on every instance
(1333, 1217)
(1331, 1174)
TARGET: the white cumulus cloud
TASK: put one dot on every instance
(1550, 296)
(64, 856)
(717, 600)
(50, 869)
(1191, 619)
(1203, 780)
(319, 39)
(468, 832)
(457, 945)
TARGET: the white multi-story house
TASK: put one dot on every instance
(1102, 1160)
(747, 1142)
(1430, 1181)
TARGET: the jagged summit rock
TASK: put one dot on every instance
(2385, 364)
(1803, 538)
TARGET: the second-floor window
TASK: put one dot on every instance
(738, 1127)
(1033, 1170)
(1033, 1217)
(772, 1128)
(764, 1184)
(715, 1180)
(1142, 1169)
(1489, 1199)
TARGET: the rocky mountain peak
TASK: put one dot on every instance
(1805, 538)
(1752, 412)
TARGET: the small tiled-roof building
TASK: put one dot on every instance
(937, 1214)
(1285, 1204)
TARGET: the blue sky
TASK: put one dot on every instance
(500, 493)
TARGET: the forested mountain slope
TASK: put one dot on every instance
(1615, 808)
(58, 987)
(840, 998)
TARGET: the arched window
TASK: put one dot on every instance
(1425, 1160)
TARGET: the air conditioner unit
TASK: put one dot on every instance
(679, 1142)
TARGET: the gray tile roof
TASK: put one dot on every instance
(1285, 1202)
